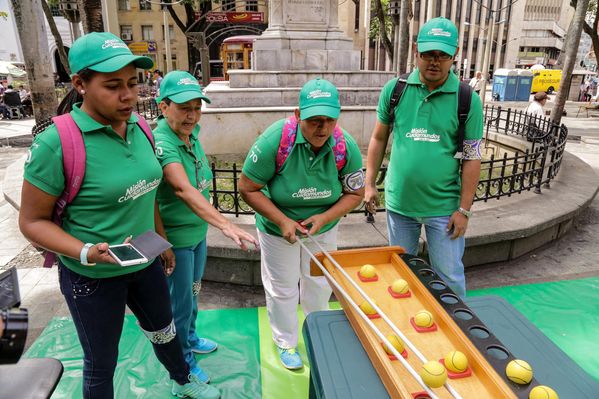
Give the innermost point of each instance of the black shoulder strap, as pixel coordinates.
(464, 99)
(400, 85)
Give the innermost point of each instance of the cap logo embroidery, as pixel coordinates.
(187, 81)
(439, 32)
(114, 43)
(318, 94)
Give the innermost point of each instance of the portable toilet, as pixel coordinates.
(499, 78)
(525, 77)
(505, 82)
(511, 85)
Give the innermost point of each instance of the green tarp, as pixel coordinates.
(234, 367)
(246, 365)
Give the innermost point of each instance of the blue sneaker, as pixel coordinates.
(200, 374)
(290, 358)
(195, 389)
(204, 345)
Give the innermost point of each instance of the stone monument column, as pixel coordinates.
(304, 35)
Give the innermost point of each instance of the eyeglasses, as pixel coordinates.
(430, 55)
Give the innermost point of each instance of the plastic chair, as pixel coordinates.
(30, 378)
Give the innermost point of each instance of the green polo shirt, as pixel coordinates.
(423, 178)
(307, 184)
(117, 196)
(183, 227)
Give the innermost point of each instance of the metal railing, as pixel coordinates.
(148, 108)
(523, 171)
(520, 171)
(532, 169)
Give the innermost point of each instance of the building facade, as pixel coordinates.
(542, 32)
(354, 23)
(141, 25)
(524, 32)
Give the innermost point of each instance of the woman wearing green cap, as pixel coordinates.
(183, 198)
(116, 200)
(302, 174)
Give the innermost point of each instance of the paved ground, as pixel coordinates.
(11, 240)
(574, 256)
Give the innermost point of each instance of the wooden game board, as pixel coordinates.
(486, 381)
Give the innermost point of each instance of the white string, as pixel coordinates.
(371, 324)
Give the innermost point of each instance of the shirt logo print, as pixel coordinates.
(138, 189)
(311, 193)
(421, 134)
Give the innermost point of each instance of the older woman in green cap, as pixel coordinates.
(116, 200)
(183, 197)
(301, 175)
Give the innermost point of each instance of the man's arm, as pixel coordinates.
(374, 158)
(470, 177)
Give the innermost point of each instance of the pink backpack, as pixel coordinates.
(73, 161)
(288, 139)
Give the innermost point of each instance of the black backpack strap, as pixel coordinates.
(398, 90)
(464, 99)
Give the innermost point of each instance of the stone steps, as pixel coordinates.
(223, 96)
(295, 79)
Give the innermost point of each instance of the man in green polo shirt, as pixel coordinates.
(301, 184)
(424, 185)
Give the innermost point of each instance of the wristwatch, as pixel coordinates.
(83, 255)
(465, 212)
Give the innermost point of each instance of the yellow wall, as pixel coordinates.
(136, 18)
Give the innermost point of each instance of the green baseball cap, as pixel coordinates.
(103, 52)
(319, 97)
(438, 34)
(180, 87)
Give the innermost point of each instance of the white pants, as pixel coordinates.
(284, 265)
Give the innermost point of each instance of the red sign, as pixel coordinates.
(235, 17)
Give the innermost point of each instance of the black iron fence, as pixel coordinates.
(148, 108)
(531, 169)
(512, 173)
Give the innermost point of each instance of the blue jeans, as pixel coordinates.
(184, 286)
(444, 253)
(98, 310)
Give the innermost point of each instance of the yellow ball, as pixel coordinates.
(400, 286)
(433, 374)
(424, 319)
(456, 361)
(542, 392)
(368, 271)
(396, 342)
(367, 308)
(519, 371)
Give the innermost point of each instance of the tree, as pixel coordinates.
(34, 43)
(592, 16)
(91, 15)
(191, 24)
(403, 49)
(571, 46)
(380, 8)
(57, 38)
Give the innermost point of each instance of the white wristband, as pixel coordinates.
(83, 255)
